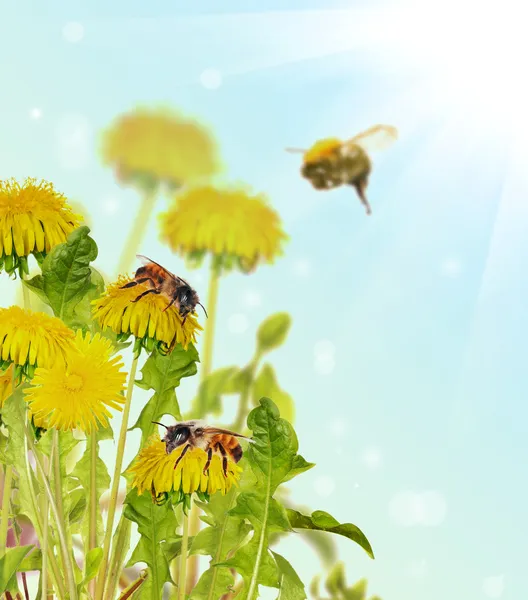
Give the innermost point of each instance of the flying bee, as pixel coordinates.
(196, 434)
(161, 281)
(331, 163)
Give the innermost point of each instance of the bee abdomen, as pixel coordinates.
(236, 453)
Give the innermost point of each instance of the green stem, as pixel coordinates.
(6, 498)
(45, 532)
(183, 557)
(115, 484)
(206, 356)
(92, 517)
(54, 508)
(117, 558)
(137, 233)
(26, 296)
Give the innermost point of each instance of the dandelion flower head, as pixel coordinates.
(146, 320)
(30, 339)
(78, 393)
(154, 471)
(238, 228)
(149, 147)
(325, 148)
(34, 217)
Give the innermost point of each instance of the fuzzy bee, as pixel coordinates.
(331, 163)
(162, 281)
(196, 434)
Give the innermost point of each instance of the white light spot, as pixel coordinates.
(493, 587)
(338, 450)
(238, 323)
(110, 205)
(324, 349)
(302, 268)
(74, 141)
(73, 32)
(324, 365)
(252, 299)
(418, 569)
(372, 458)
(356, 485)
(324, 486)
(451, 267)
(410, 508)
(211, 79)
(35, 113)
(338, 428)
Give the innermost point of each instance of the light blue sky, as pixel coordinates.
(423, 303)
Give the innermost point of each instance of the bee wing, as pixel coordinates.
(377, 137)
(146, 261)
(295, 150)
(215, 430)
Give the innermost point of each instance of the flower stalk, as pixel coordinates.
(6, 498)
(115, 483)
(183, 557)
(212, 301)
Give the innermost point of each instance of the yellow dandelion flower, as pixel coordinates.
(322, 149)
(6, 384)
(153, 471)
(34, 218)
(78, 393)
(149, 320)
(237, 228)
(149, 147)
(30, 339)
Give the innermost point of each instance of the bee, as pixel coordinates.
(161, 281)
(330, 163)
(196, 434)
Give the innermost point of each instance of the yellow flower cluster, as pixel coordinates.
(154, 471)
(34, 218)
(231, 224)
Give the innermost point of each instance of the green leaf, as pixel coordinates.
(358, 591)
(336, 581)
(265, 385)
(273, 331)
(156, 524)
(83, 310)
(32, 562)
(66, 275)
(300, 465)
(91, 567)
(224, 534)
(208, 401)
(271, 458)
(163, 374)
(9, 563)
(322, 521)
(82, 472)
(314, 588)
(36, 285)
(291, 587)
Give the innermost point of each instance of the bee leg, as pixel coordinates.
(182, 455)
(136, 282)
(154, 291)
(209, 457)
(169, 305)
(222, 451)
(361, 187)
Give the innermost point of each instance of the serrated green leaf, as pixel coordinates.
(82, 472)
(156, 524)
(271, 458)
(266, 385)
(224, 534)
(273, 331)
(291, 587)
(163, 374)
(208, 400)
(322, 521)
(9, 563)
(66, 274)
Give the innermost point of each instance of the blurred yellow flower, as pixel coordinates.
(6, 384)
(147, 147)
(326, 148)
(30, 339)
(231, 224)
(77, 394)
(154, 471)
(34, 218)
(149, 320)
